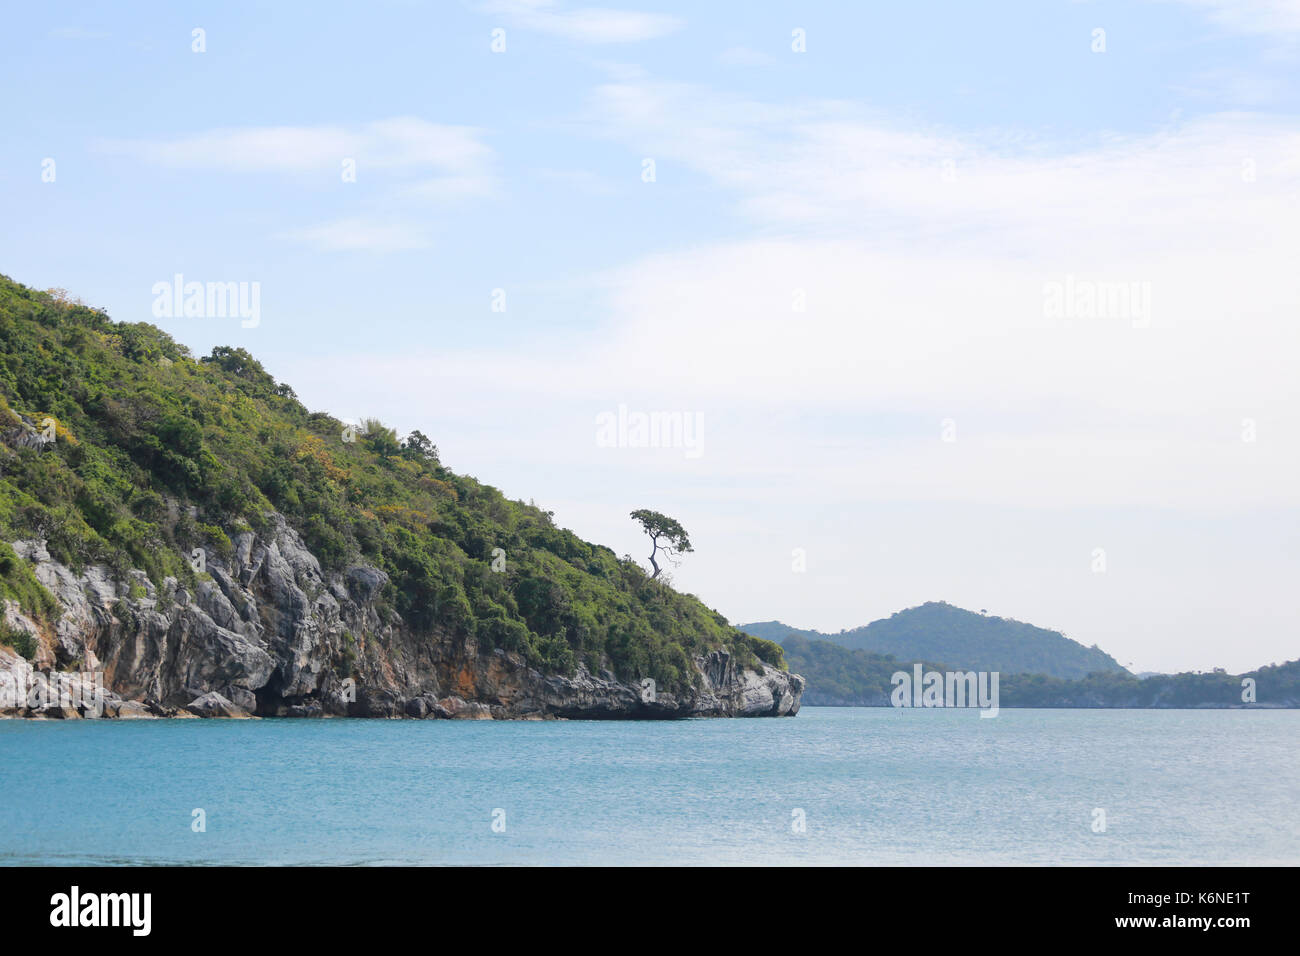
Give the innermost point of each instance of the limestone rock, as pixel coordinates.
(266, 631)
(214, 705)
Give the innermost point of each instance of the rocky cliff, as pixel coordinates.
(266, 632)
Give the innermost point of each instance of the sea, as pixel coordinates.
(833, 786)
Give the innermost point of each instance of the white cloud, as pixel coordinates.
(1251, 16)
(833, 166)
(924, 297)
(441, 161)
(586, 24)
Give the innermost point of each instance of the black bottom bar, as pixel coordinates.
(930, 905)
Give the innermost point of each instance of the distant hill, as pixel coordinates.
(838, 676)
(938, 631)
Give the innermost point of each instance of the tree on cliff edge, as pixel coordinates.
(666, 536)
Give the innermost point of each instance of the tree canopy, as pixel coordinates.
(666, 536)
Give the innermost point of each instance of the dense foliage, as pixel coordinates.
(1277, 685)
(156, 452)
(841, 676)
(938, 631)
(838, 676)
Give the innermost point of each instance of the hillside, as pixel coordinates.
(937, 631)
(841, 676)
(188, 525)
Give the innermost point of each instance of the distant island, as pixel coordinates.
(1038, 667)
(938, 631)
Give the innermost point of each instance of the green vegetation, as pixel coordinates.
(1277, 685)
(841, 676)
(937, 631)
(157, 453)
(18, 583)
(20, 641)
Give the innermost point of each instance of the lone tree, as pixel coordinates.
(666, 535)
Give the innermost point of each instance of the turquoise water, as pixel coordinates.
(877, 786)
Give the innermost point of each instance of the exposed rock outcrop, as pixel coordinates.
(266, 632)
(214, 705)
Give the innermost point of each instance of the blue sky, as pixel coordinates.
(916, 176)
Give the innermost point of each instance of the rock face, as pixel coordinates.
(267, 633)
(214, 705)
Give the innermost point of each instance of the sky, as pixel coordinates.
(987, 303)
